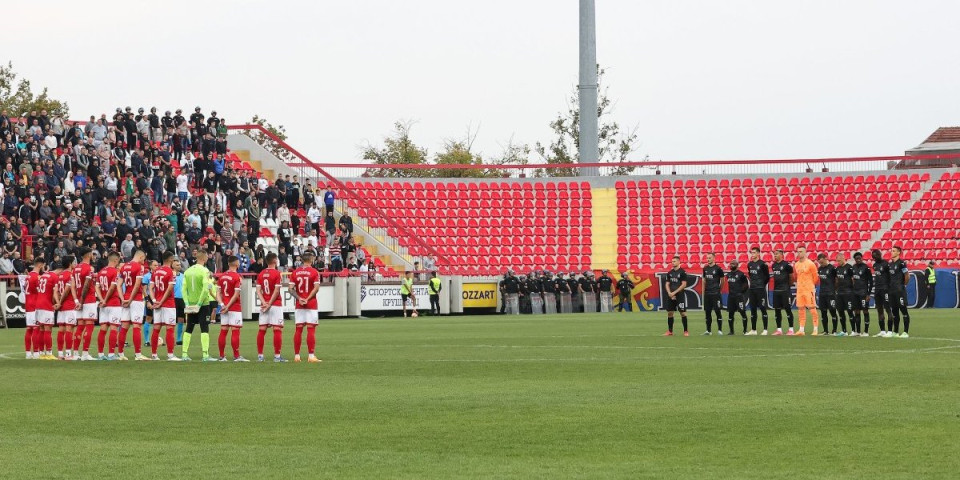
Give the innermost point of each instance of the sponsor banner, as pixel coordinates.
(387, 297)
(479, 295)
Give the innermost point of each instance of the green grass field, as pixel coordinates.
(570, 396)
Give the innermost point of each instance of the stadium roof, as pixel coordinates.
(943, 140)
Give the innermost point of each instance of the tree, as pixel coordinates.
(615, 146)
(398, 149)
(17, 98)
(268, 143)
(513, 153)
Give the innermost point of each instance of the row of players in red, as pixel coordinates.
(74, 296)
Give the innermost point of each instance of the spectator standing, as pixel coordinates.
(329, 199)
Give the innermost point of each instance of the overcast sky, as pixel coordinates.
(700, 79)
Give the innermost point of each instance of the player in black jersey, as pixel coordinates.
(827, 296)
(624, 288)
(759, 275)
(899, 277)
(737, 286)
(782, 273)
(881, 288)
(712, 285)
(676, 298)
(844, 294)
(862, 281)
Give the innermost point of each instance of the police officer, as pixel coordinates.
(563, 294)
(576, 294)
(534, 292)
(549, 288)
(624, 288)
(511, 285)
(605, 289)
(931, 284)
(434, 286)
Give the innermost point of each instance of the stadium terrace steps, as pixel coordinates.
(930, 228)
(898, 215)
(604, 228)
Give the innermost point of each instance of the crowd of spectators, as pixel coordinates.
(140, 180)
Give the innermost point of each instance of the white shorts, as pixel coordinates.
(134, 313)
(274, 316)
(165, 316)
(305, 316)
(67, 317)
(44, 317)
(231, 319)
(110, 315)
(32, 319)
(88, 312)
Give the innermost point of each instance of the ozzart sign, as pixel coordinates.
(479, 295)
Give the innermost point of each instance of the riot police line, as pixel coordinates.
(543, 292)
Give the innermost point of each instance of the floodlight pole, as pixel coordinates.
(589, 141)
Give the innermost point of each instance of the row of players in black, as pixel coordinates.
(845, 292)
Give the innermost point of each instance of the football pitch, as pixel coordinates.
(565, 396)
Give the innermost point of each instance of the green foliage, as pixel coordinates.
(397, 149)
(268, 143)
(615, 144)
(17, 97)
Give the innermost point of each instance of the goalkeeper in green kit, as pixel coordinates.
(198, 292)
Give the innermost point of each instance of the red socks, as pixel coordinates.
(171, 340)
(311, 338)
(47, 340)
(222, 341)
(122, 338)
(137, 338)
(260, 338)
(60, 336)
(235, 342)
(113, 340)
(37, 339)
(28, 339)
(297, 339)
(87, 336)
(154, 339)
(277, 340)
(101, 338)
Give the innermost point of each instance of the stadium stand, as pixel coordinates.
(930, 230)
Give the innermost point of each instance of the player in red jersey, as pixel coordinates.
(46, 299)
(66, 315)
(132, 307)
(306, 284)
(85, 299)
(32, 338)
(163, 305)
(231, 315)
(108, 292)
(271, 307)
